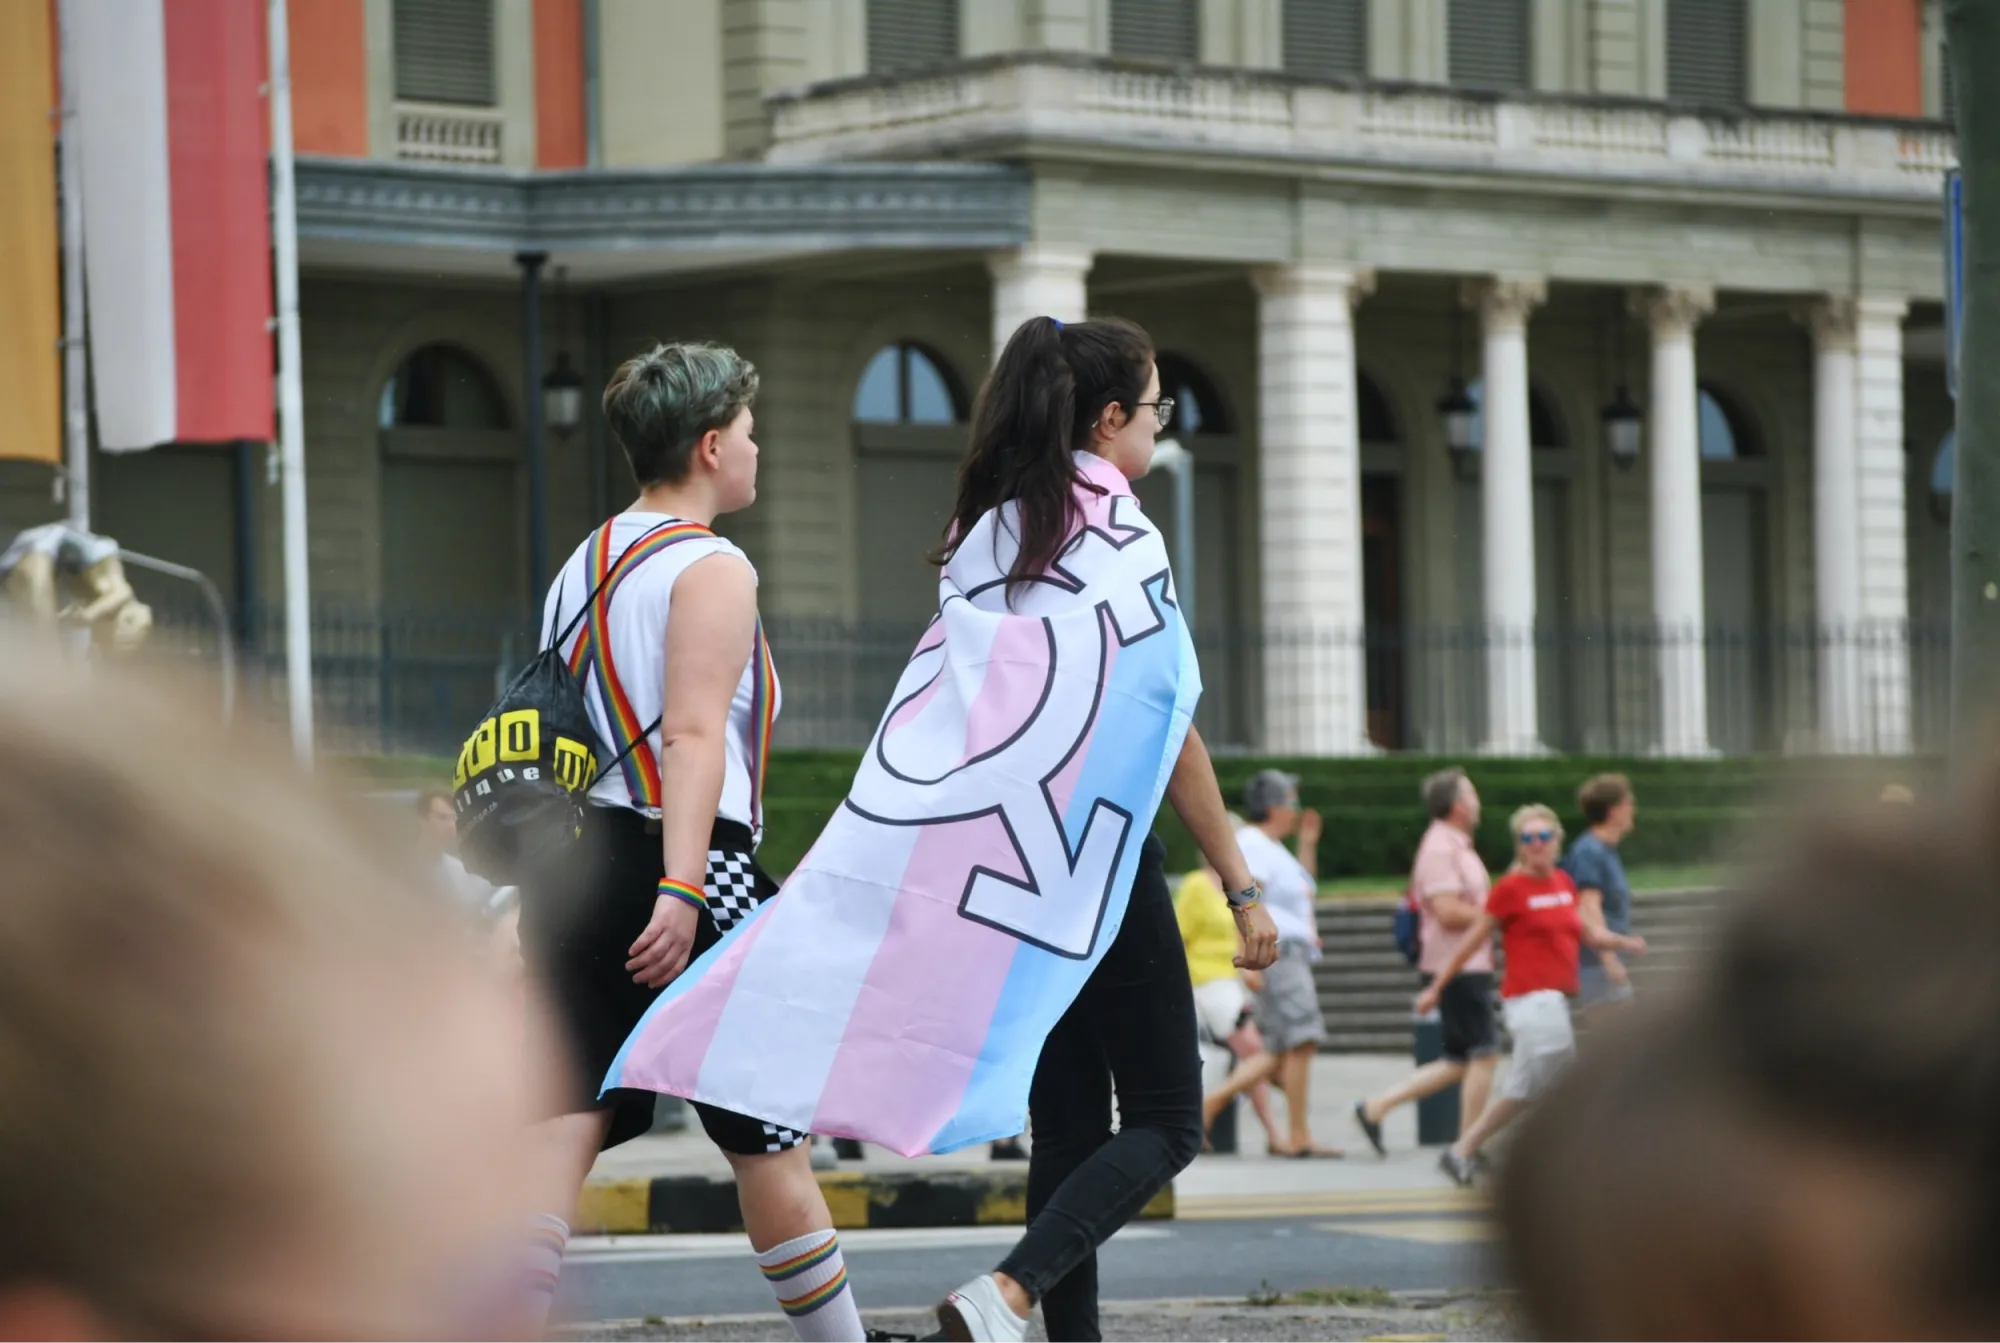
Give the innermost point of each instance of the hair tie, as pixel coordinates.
(1058, 322)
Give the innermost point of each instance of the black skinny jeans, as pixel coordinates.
(1132, 1028)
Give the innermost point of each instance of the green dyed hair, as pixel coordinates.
(659, 404)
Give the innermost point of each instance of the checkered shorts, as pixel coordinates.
(735, 887)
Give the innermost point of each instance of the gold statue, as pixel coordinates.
(62, 576)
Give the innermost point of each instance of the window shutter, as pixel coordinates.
(1327, 39)
(1706, 44)
(1156, 30)
(911, 34)
(1487, 43)
(444, 51)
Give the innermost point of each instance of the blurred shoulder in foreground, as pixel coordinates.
(1806, 1143)
(254, 1079)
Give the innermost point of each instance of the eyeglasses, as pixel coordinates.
(1163, 409)
(1537, 836)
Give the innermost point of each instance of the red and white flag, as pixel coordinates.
(177, 228)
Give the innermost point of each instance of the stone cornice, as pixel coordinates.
(864, 205)
(1042, 106)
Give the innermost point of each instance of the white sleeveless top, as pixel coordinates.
(636, 618)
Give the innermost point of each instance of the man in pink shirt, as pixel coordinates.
(1449, 883)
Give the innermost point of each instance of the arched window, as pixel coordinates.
(1377, 421)
(441, 387)
(1544, 429)
(1198, 407)
(1723, 432)
(906, 384)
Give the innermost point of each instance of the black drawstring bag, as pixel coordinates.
(525, 771)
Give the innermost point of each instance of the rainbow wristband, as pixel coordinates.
(680, 890)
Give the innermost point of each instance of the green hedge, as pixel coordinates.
(1690, 811)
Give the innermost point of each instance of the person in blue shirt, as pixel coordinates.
(1604, 895)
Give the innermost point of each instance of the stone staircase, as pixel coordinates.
(1366, 988)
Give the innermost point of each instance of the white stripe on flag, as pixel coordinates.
(788, 1013)
(127, 220)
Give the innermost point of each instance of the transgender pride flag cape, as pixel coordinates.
(898, 989)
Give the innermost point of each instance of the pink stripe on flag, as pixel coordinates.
(1017, 670)
(907, 712)
(920, 1022)
(670, 1048)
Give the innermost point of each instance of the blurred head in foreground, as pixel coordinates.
(1807, 1145)
(253, 1083)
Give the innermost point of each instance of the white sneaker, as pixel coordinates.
(977, 1313)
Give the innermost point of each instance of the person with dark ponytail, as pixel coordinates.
(1062, 404)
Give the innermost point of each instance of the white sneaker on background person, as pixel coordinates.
(977, 1313)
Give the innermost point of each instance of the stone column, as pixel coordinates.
(1881, 537)
(1836, 525)
(1036, 280)
(1674, 449)
(1507, 511)
(1309, 491)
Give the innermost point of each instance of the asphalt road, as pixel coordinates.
(1418, 1247)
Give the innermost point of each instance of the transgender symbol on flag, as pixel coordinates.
(925, 779)
(898, 989)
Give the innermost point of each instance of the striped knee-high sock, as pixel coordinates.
(541, 1266)
(809, 1279)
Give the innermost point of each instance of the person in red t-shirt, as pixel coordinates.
(1535, 908)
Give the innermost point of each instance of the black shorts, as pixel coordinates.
(1465, 1011)
(577, 934)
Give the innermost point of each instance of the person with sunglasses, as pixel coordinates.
(1534, 908)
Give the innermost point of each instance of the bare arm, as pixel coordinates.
(1482, 929)
(1454, 910)
(1590, 910)
(1197, 799)
(708, 644)
(1306, 846)
(1608, 944)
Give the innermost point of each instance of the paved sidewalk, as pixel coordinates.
(1390, 1316)
(1250, 1184)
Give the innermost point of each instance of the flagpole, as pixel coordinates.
(76, 413)
(291, 399)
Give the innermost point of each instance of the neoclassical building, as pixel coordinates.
(1558, 374)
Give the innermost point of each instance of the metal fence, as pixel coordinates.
(415, 682)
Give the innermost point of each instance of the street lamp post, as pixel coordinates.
(531, 264)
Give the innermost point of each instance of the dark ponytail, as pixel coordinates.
(1037, 406)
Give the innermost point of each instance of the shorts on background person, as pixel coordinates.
(1544, 1043)
(1221, 1006)
(1288, 1009)
(1465, 1018)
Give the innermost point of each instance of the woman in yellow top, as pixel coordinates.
(1222, 998)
